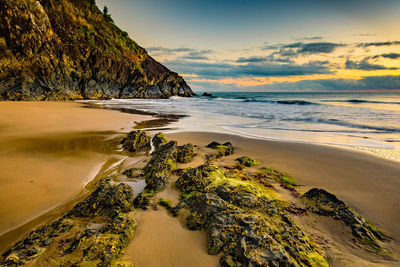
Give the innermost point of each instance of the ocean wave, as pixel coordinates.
(283, 102)
(379, 129)
(362, 101)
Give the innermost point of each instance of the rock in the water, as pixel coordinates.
(207, 94)
(185, 153)
(159, 140)
(246, 161)
(242, 222)
(161, 166)
(324, 203)
(135, 141)
(105, 201)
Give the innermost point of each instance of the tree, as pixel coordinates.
(105, 10)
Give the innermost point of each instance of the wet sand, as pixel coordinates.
(49, 151)
(369, 184)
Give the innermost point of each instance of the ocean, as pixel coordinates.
(364, 121)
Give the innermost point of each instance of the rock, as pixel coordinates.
(324, 203)
(185, 153)
(195, 179)
(225, 149)
(142, 201)
(207, 94)
(70, 240)
(159, 140)
(68, 49)
(246, 161)
(161, 166)
(107, 201)
(133, 172)
(284, 179)
(242, 222)
(136, 141)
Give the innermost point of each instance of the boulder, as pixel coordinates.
(185, 153)
(247, 162)
(136, 141)
(324, 203)
(161, 166)
(159, 140)
(225, 149)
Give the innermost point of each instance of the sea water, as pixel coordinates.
(367, 121)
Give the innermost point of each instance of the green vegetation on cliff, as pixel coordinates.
(69, 49)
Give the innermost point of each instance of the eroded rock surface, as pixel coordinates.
(185, 153)
(93, 233)
(243, 220)
(324, 203)
(224, 149)
(136, 141)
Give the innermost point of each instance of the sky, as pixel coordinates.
(269, 45)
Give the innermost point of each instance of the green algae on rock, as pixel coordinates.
(69, 49)
(324, 203)
(244, 220)
(159, 140)
(247, 162)
(224, 149)
(161, 165)
(278, 176)
(93, 233)
(185, 153)
(136, 141)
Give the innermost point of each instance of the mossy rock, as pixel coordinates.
(159, 140)
(106, 200)
(324, 203)
(243, 220)
(143, 200)
(224, 149)
(136, 141)
(185, 153)
(278, 176)
(247, 161)
(133, 172)
(160, 166)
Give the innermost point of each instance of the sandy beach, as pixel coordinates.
(49, 151)
(41, 141)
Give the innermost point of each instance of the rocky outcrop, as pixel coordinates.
(243, 221)
(159, 140)
(69, 49)
(185, 153)
(324, 203)
(224, 149)
(161, 166)
(93, 233)
(247, 162)
(136, 141)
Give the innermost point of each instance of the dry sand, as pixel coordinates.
(49, 151)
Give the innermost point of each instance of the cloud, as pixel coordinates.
(314, 48)
(251, 59)
(198, 54)
(372, 83)
(387, 43)
(365, 65)
(389, 55)
(251, 69)
(314, 38)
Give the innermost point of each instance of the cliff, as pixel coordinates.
(69, 49)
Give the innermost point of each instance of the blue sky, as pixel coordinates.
(269, 45)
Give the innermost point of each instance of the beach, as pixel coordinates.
(49, 152)
(52, 150)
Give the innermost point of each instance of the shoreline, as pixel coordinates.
(312, 165)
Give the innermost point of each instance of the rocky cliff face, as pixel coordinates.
(69, 49)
